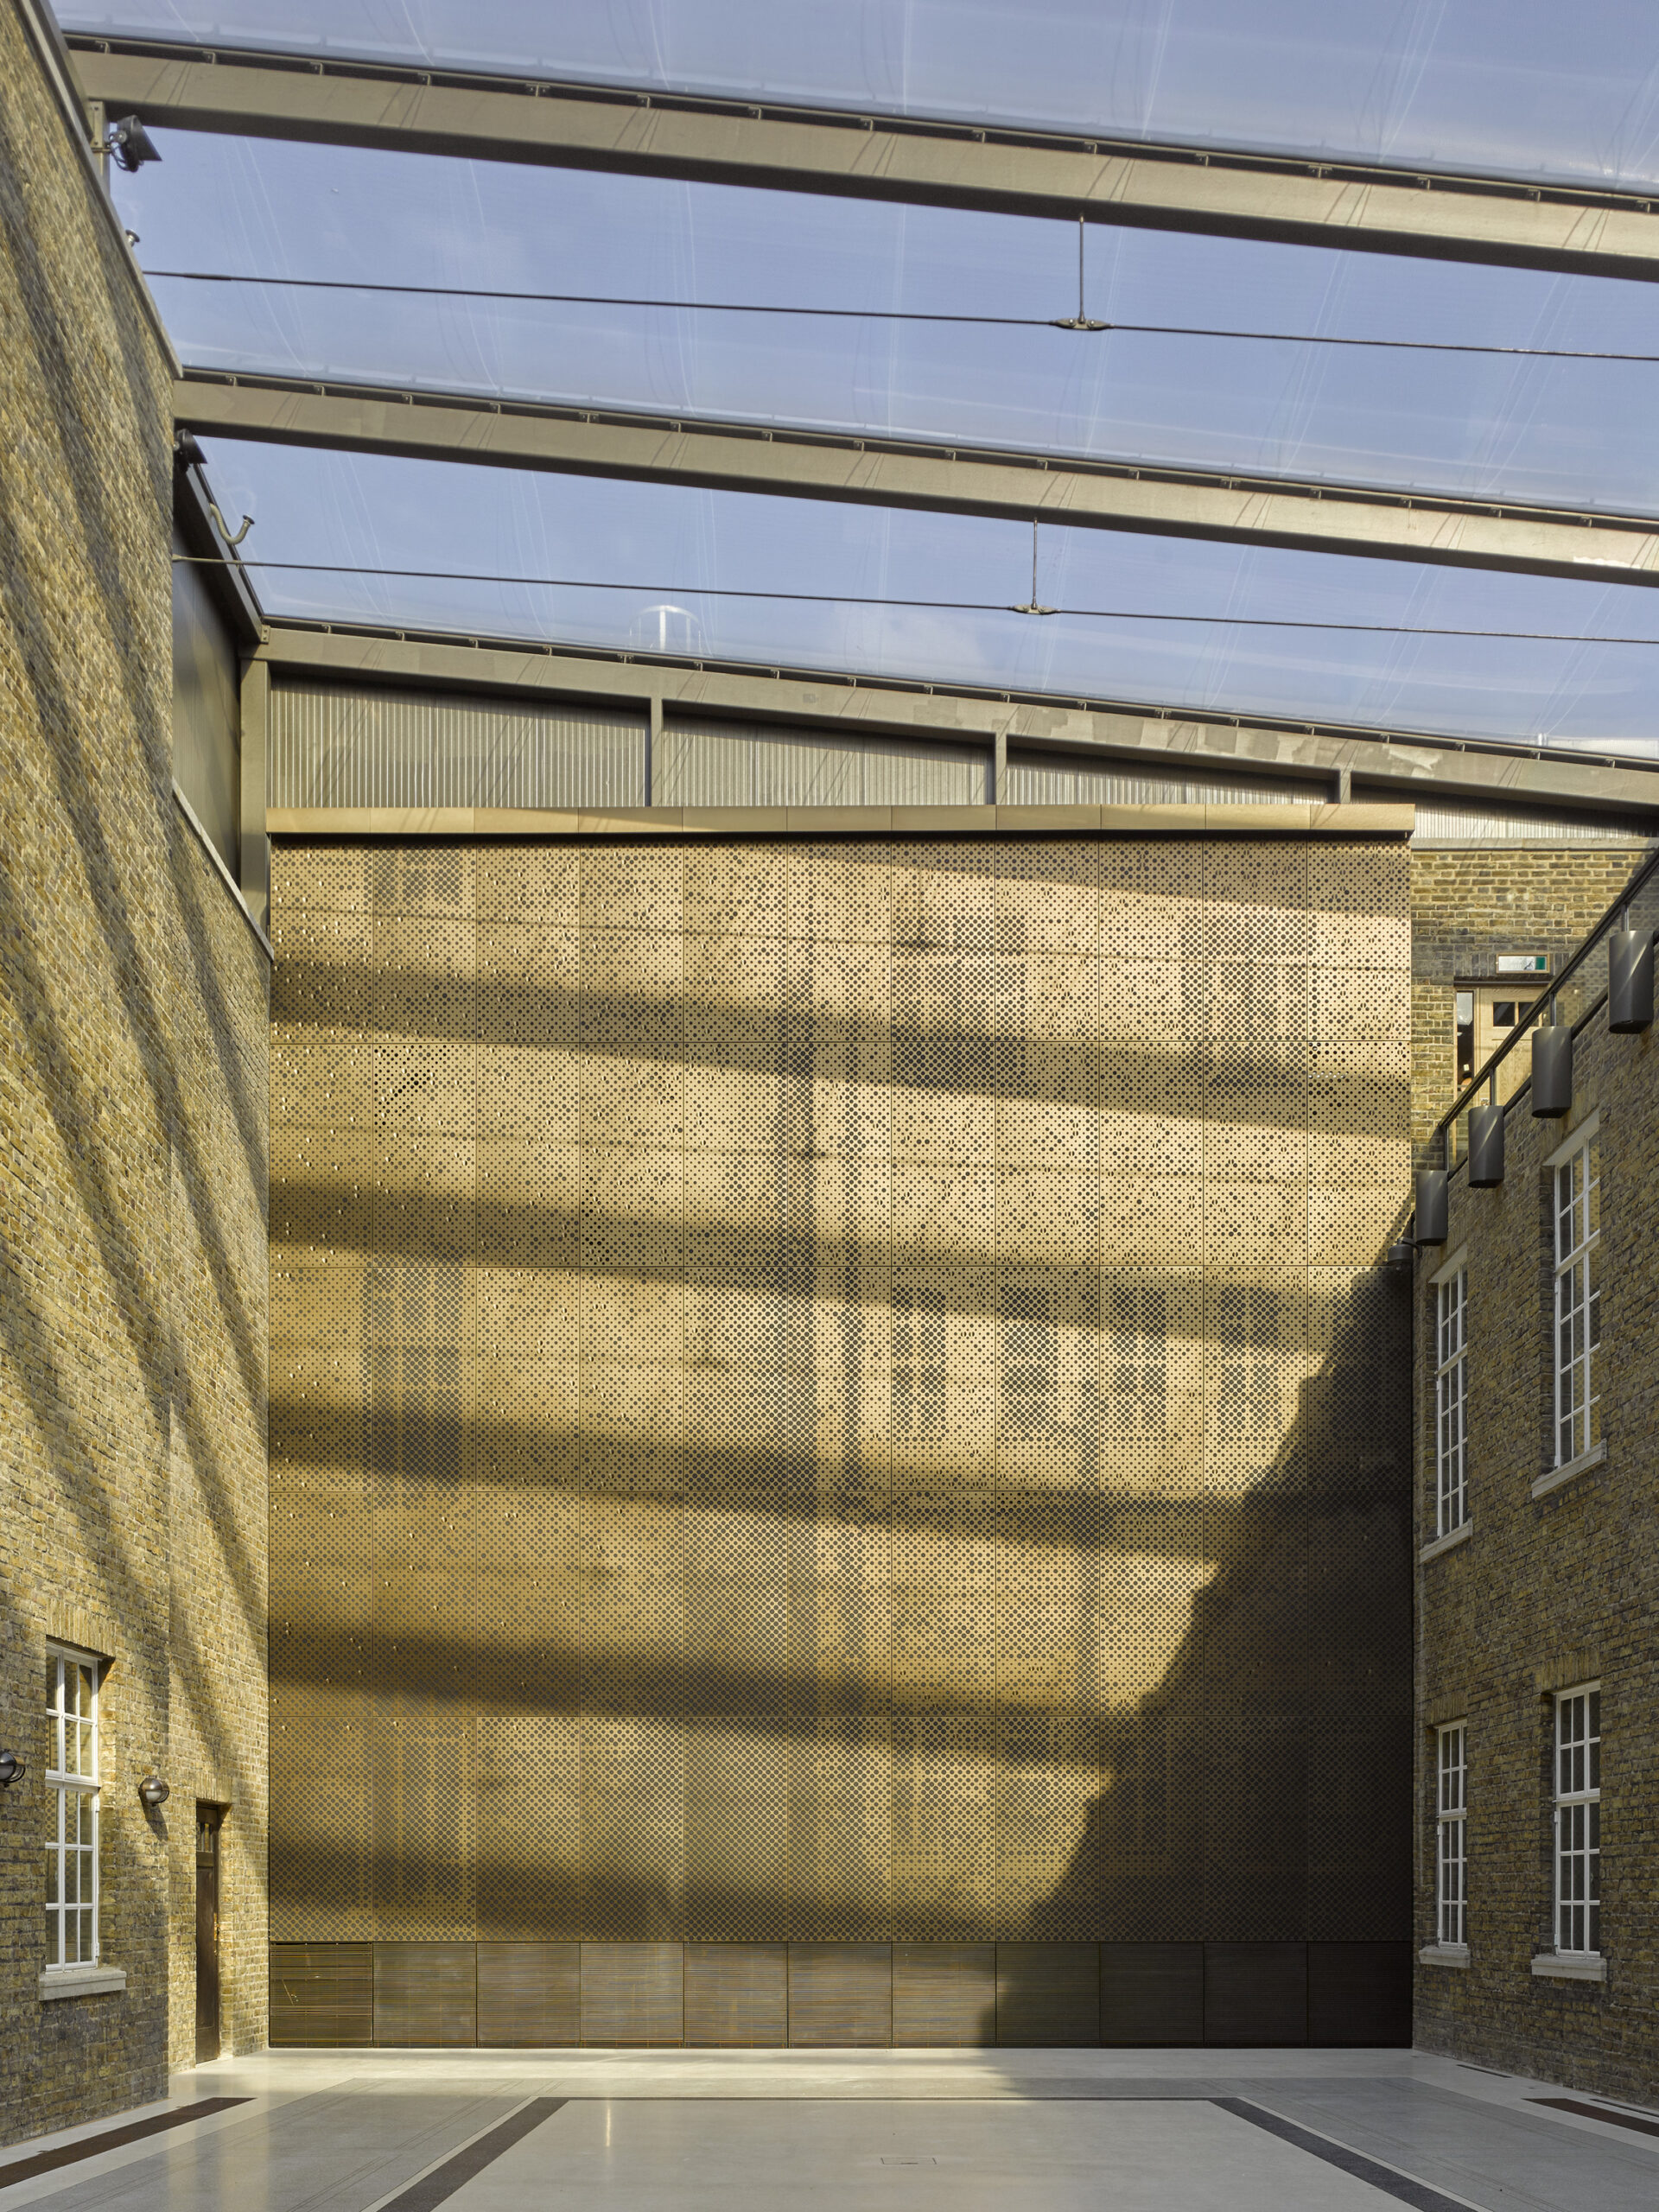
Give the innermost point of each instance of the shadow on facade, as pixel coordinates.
(1255, 1788)
(828, 1574)
(132, 1318)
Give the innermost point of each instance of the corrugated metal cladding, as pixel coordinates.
(750, 763)
(1061, 779)
(1466, 824)
(333, 746)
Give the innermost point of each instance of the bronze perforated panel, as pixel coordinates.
(1151, 1993)
(841, 1993)
(529, 1993)
(632, 1992)
(321, 1993)
(425, 1993)
(838, 1392)
(737, 1994)
(944, 1994)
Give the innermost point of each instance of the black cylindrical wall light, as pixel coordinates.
(1486, 1146)
(1430, 1206)
(1630, 980)
(1552, 1071)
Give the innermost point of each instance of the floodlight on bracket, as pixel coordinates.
(1552, 1066)
(128, 142)
(1486, 1141)
(1630, 978)
(1430, 1224)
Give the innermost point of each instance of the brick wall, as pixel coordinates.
(1470, 903)
(1545, 1592)
(133, 1004)
(218, 1720)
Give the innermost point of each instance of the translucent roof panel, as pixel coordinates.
(1529, 88)
(646, 561)
(1569, 433)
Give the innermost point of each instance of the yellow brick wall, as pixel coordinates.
(1469, 905)
(133, 1103)
(1546, 1591)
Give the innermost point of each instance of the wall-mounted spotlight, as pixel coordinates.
(1552, 1068)
(11, 1769)
(1486, 1142)
(154, 1792)
(130, 143)
(1630, 979)
(1432, 1209)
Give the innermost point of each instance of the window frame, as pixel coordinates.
(1452, 1833)
(1575, 1295)
(1451, 1397)
(82, 1784)
(1575, 1780)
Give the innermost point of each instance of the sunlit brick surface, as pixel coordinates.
(839, 1392)
(133, 1003)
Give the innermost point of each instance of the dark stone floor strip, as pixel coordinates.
(1397, 2185)
(111, 2138)
(1598, 2112)
(444, 2180)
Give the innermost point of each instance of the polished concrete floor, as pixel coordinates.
(477, 2130)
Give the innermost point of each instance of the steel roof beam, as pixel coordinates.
(1319, 762)
(1225, 192)
(889, 473)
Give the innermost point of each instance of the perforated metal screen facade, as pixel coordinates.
(839, 1392)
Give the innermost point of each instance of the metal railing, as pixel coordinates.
(1571, 996)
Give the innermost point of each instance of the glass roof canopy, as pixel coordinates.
(1573, 434)
(1524, 88)
(1469, 85)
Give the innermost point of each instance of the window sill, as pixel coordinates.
(1556, 1476)
(80, 1981)
(1448, 1542)
(1444, 1954)
(1567, 1965)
